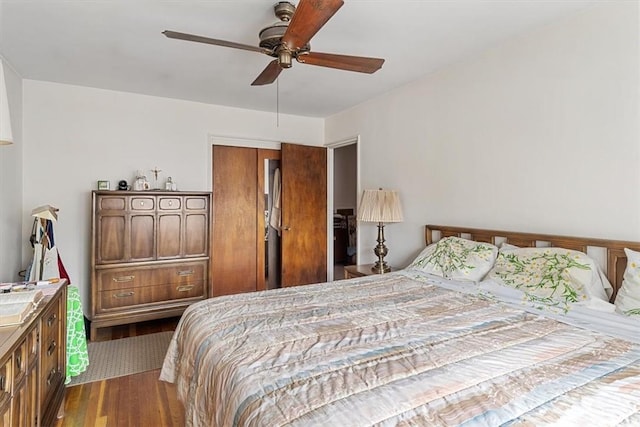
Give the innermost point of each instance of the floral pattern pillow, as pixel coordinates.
(628, 298)
(551, 276)
(456, 258)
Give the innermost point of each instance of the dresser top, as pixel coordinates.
(149, 193)
(9, 335)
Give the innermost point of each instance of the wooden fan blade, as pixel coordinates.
(269, 74)
(309, 17)
(361, 64)
(207, 40)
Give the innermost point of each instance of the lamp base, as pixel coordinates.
(380, 250)
(380, 268)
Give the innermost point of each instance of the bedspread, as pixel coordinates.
(393, 350)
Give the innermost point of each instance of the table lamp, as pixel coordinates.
(380, 206)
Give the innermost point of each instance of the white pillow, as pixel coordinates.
(504, 246)
(551, 276)
(456, 258)
(628, 298)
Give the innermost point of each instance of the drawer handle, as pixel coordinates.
(185, 288)
(185, 272)
(123, 279)
(51, 375)
(52, 319)
(124, 294)
(52, 348)
(3, 383)
(19, 362)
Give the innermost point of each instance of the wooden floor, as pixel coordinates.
(136, 400)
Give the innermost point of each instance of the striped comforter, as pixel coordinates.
(394, 351)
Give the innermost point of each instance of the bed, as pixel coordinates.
(464, 343)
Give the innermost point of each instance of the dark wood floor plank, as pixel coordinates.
(134, 400)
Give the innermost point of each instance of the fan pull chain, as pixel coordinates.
(278, 102)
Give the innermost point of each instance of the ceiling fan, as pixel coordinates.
(289, 39)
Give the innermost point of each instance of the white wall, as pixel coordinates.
(11, 184)
(539, 134)
(74, 136)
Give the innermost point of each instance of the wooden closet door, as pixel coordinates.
(304, 214)
(234, 225)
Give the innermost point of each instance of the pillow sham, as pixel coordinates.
(551, 276)
(628, 298)
(504, 246)
(456, 258)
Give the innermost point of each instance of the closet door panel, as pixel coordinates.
(304, 214)
(234, 225)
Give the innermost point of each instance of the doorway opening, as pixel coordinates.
(345, 201)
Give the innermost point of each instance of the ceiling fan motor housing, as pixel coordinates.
(284, 10)
(271, 36)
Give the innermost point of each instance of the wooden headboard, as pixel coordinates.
(614, 262)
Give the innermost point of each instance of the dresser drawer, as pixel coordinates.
(143, 203)
(129, 298)
(6, 379)
(128, 278)
(112, 203)
(183, 273)
(170, 203)
(20, 361)
(33, 344)
(196, 203)
(124, 278)
(51, 375)
(51, 321)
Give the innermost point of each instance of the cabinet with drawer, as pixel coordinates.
(150, 254)
(29, 394)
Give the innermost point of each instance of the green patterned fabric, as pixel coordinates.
(456, 258)
(77, 355)
(552, 277)
(628, 299)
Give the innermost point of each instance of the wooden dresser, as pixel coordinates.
(33, 365)
(149, 255)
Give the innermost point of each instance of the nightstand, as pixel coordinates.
(352, 271)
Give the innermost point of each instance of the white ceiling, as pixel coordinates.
(118, 45)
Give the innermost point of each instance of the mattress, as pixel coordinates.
(399, 349)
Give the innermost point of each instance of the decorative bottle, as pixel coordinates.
(141, 181)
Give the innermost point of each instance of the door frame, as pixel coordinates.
(330, 181)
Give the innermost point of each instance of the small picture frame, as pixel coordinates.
(104, 185)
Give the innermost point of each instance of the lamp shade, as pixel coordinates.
(6, 137)
(380, 206)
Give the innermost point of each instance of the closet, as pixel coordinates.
(247, 252)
